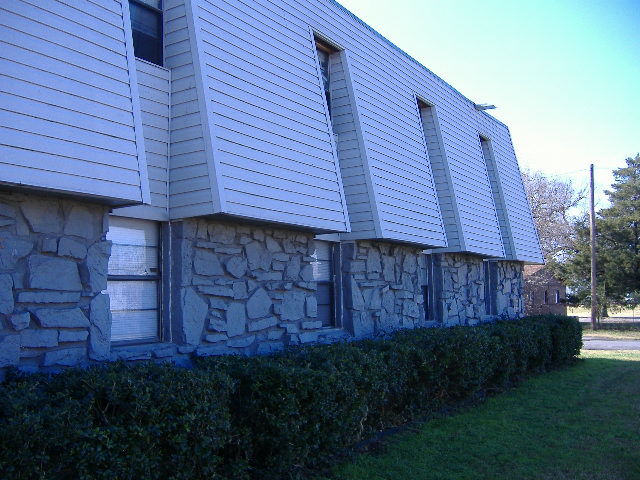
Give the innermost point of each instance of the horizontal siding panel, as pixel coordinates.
(252, 159)
(298, 216)
(190, 202)
(57, 164)
(69, 117)
(314, 133)
(61, 147)
(238, 132)
(77, 58)
(37, 67)
(276, 95)
(57, 29)
(55, 90)
(68, 183)
(280, 194)
(102, 17)
(236, 175)
(66, 112)
(153, 88)
(66, 132)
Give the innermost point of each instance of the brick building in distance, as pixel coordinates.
(543, 292)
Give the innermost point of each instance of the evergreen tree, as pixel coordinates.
(617, 245)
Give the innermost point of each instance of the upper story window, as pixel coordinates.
(146, 23)
(324, 52)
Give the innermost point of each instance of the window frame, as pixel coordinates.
(157, 277)
(322, 45)
(428, 289)
(489, 288)
(331, 283)
(159, 15)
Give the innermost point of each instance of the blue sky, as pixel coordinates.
(563, 74)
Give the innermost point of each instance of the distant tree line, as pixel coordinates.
(565, 236)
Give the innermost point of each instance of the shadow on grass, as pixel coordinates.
(582, 422)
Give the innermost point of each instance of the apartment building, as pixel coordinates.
(190, 177)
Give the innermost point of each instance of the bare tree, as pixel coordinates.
(551, 201)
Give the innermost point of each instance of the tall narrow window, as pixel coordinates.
(134, 279)
(323, 275)
(546, 297)
(324, 52)
(489, 288)
(146, 24)
(557, 296)
(428, 291)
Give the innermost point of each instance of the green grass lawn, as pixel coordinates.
(586, 312)
(620, 330)
(582, 422)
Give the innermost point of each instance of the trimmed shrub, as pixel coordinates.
(261, 417)
(120, 421)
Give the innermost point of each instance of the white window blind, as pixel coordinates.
(134, 276)
(322, 275)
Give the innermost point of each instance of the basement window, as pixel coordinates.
(323, 275)
(133, 281)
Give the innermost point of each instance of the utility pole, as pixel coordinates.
(594, 298)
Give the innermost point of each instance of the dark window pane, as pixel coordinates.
(146, 25)
(325, 305)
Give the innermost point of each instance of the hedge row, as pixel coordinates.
(260, 417)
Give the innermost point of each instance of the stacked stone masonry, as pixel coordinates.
(246, 289)
(383, 287)
(468, 292)
(53, 268)
(233, 288)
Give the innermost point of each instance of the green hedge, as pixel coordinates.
(261, 417)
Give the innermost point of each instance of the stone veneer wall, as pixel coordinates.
(510, 300)
(242, 288)
(382, 285)
(460, 289)
(53, 266)
(234, 287)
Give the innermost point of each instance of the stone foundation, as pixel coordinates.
(510, 300)
(459, 291)
(229, 288)
(382, 285)
(53, 266)
(243, 289)
(469, 290)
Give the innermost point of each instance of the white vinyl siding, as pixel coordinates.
(271, 149)
(153, 88)
(356, 178)
(517, 213)
(385, 82)
(496, 188)
(68, 109)
(251, 137)
(442, 179)
(190, 181)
